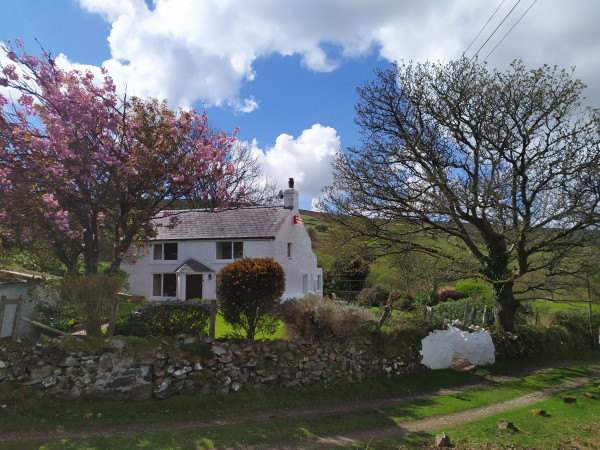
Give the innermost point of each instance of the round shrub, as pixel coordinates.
(168, 318)
(474, 287)
(249, 291)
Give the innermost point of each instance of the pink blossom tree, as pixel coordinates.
(81, 163)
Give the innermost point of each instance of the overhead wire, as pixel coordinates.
(495, 29)
(483, 27)
(511, 28)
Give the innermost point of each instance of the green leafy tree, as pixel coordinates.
(347, 274)
(500, 165)
(249, 291)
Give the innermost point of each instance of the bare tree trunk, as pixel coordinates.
(506, 305)
(113, 317)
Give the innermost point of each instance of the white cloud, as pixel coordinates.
(188, 51)
(306, 159)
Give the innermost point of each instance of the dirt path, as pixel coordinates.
(401, 429)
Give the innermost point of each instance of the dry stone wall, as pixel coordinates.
(120, 369)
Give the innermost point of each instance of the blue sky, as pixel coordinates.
(286, 71)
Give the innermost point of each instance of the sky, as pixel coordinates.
(286, 71)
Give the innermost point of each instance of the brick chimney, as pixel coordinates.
(291, 198)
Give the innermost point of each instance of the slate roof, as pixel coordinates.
(242, 223)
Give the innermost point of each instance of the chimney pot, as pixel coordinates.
(291, 183)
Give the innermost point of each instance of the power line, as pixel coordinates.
(482, 28)
(496, 29)
(511, 28)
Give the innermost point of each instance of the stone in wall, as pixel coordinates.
(227, 366)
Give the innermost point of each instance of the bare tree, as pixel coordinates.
(246, 184)
(502, 166)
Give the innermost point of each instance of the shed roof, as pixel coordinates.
(241, 223)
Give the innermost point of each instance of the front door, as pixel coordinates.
(193, 286)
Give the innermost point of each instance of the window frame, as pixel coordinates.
(155, 277)
(159, 252)
(232, 251)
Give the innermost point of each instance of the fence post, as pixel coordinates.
(213, 318)
(472, 315)
(483, 318)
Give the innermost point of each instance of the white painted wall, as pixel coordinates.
(302, 265)
(301, 272)
(141, 273)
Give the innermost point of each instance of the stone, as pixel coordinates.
(442, 441)
(182, 372)
(589, 395)
(88, 416)
(217, 350)
(569, 399)
(118, 344)
(50, 381)
(38, 373)
(197, 366)
(69, 361)
(538, 412)
(462, 365)
(2, 364)
(504, 424)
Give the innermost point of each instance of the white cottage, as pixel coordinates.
(187, 253)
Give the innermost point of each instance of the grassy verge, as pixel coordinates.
(181, 408)
(575, 425)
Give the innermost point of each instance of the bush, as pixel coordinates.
(426, 298)
(370, 296)
(474, 287)
(529, 341)
(167, 318)
(451, 295)
(575, 321)
(249, 291)
(80, 300)
(381, 298)
(456, 310)
(322, 228)
(347, 274)
(402, 338)
(313, 317)
(403, 302)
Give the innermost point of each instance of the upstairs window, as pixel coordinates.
(165, 252)
(230, 250)
(289, 249)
